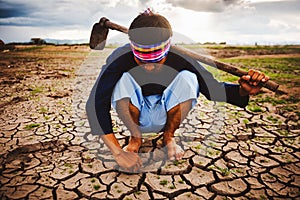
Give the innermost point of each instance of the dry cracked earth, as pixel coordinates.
(47, 151)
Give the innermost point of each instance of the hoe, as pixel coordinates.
(99, 35)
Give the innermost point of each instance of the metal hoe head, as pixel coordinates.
(99, 35)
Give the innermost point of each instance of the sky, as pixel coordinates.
(232, 21)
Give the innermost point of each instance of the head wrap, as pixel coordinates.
(151, 53)
(150, 44)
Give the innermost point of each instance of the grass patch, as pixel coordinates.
(96, 187)
(31, 126)
(272, 119)
(36, 90)
(224, 171)
(43, 110)
(280, 69)
(254, 108)
(178, 162)
(271, 100)
(163, 182)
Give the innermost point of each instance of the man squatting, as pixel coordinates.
(153, 88)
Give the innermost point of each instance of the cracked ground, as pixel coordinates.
(47, 151)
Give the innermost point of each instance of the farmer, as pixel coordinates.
(153, 88)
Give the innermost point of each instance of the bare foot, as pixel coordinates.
(175, 152)
(133, 145)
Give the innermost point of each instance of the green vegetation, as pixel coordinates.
(245, 121)
(254, 108)
(282, 69)
(263, 197)
(282, 49)
(273, 119)
(96, 187)
(172, 187)
(279, 69)
(163, 182)
(36, 90)
(43, 110)
(273, 101)
(178, 162)
(224, 171)
(69, 165)
(31, 126)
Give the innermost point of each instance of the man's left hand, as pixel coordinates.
(250, 83)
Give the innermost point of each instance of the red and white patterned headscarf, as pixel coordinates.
(150, 53)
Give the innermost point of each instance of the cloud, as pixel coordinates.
(260, 18)
(57, 16)
(61, 12)
(205, 5)
(201, 20)
(269, 22)
(13, 9)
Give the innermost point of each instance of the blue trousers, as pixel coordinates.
(153, 109)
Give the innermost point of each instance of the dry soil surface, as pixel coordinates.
(47, 151)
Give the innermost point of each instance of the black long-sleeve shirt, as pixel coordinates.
(122, 60)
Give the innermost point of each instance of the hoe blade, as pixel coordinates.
(98, 37)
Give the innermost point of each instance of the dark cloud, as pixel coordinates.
(204, 5)
(10, 9)
(60, 13)
(50, 13)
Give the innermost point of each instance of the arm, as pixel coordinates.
(98, 109)
(98, 105)
(220, 91)
(209, 86)
(236, 94)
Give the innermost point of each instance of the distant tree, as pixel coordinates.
(37, 41)
(210, 43)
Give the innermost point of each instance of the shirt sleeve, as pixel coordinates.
(214, 90)
(98, 105)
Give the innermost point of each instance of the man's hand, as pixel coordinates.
(128, 161)
(250, 83)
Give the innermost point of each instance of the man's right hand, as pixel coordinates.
(128, 161)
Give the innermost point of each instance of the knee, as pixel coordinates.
(188, 74)
(121, 104)
(126, 104)
(188, 77)
(187, 80)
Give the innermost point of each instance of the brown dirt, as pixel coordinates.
(245, 153)
(27, 71)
